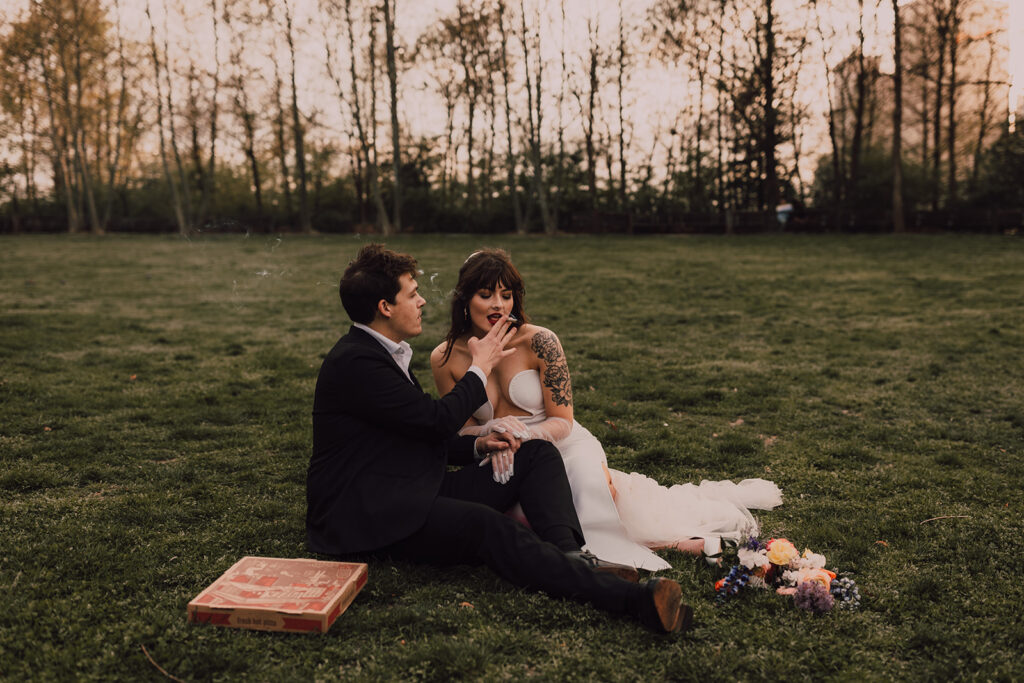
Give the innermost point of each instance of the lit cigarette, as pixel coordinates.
(512, 318)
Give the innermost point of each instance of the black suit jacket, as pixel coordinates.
(380, 447)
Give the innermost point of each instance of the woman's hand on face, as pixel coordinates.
(489, 350)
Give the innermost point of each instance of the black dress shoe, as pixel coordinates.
(623, 571)
(662, 610)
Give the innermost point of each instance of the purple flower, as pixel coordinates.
(813, 597)
(753, 543)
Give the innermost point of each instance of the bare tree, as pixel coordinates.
(954, 21)
(827, 40)
(242, 105)
(125, 126)
(396, 146)
(298, 129)
(898, 217)
(587, 103)
(620, 77)
(534, 76)
(510, 154)
(164, 126)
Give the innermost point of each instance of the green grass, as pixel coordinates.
(155, 427)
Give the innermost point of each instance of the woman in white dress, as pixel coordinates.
(623, 516)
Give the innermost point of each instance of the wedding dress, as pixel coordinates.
(643, 514)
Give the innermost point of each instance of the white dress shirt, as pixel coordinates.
(402, 352)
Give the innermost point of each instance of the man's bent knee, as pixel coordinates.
(539, 450)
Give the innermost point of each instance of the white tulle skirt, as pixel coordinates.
(645, 514)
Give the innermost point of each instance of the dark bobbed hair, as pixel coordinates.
(484, 269)
(372, 276)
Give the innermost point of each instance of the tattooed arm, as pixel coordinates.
(556, 384)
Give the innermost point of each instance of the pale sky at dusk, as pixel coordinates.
(658, 91)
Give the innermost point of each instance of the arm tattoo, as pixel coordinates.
(556, 373)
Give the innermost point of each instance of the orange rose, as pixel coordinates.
(820, 576)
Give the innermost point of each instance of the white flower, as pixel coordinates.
(752, 559)
(791, 577)
(809, 560)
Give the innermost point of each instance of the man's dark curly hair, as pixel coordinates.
(373, 276)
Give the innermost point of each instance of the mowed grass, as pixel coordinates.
(155, 427)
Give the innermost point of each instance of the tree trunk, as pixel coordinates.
(535, 111)
(898, 218)
(282, 145)
(120, 122)
(720, 175)
(983, 120)
(943, 36)
(298, 130)
(510, 161)
(620, 76)
(179, 209)
(860, 84)
(771, 184)
(382, 213)
(396, 148)
(954, 31)
(76, 118)
(588, 116)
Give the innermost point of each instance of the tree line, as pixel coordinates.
(499, 115)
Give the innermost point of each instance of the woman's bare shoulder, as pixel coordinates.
(535, 334)
(542, 342)
(437, 356)
(528, 331)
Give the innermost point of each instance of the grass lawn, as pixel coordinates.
(155, 427)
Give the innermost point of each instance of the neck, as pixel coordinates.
(381, 327)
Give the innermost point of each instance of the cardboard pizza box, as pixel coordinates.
(279, 594)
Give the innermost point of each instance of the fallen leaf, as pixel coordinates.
(132, 378)
(466, 604)
(47, 429)
(737, 423)
(714, 435)
(611, 424)
(882, 543)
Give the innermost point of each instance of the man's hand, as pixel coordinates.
(497, 441)
(500, 450)
(490, 350)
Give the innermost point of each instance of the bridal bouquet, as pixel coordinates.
(777, 564)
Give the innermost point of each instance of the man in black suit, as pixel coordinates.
(379, 482)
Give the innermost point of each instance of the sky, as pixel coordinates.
(655, 89)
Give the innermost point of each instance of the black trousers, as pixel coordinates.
(467, 525)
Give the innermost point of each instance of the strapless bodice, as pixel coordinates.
(525, 392)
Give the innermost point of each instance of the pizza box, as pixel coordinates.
(279, 594)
